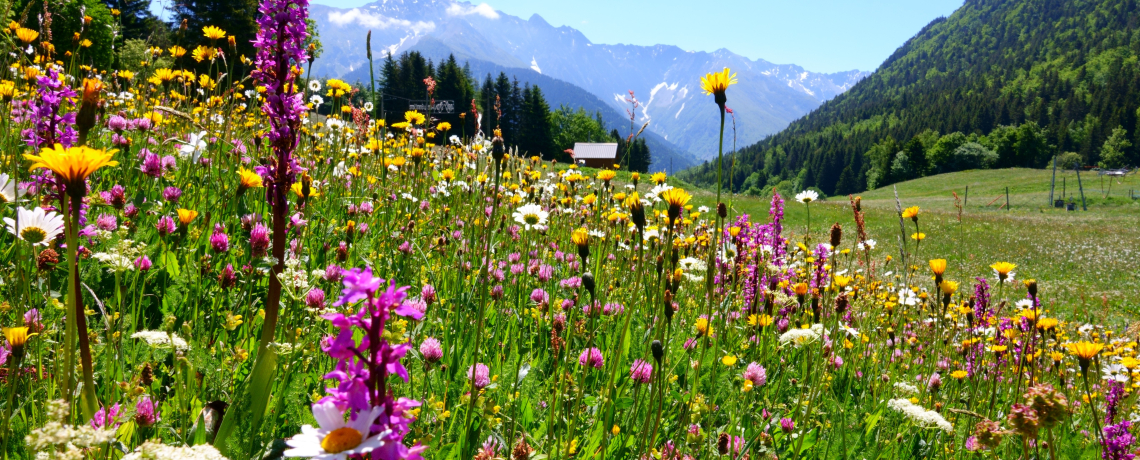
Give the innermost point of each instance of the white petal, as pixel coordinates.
(328, 416)
(371, 444)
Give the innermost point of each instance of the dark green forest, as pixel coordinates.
(521, 112)
(1026, 80)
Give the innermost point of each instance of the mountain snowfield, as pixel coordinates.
(664, 78)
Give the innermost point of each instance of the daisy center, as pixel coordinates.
(531, 219)
(341, 439)
(33, 234)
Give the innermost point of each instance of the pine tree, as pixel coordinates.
(452, 85)
(536, 138)
(237, 17)
(389, 84)
(639, 156)
(135, 18)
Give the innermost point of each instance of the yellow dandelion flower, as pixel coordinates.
(675, 197)
(185, 216)
(248, 179)
(911, 213)
(72, 165)
(213, 33)
(938, 266)
(1085, 350)
(580, 237)
(27, 35)
(716, 83)
(413, 117)
(17, 336)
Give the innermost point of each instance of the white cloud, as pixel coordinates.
(481, 9)
(378, 21)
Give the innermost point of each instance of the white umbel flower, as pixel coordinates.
(801, 337)
(159, 339)
(531, 216)
(334, 438)
(807, 196)
(157, 450)
(36, 226)
(906, 389)
(921, 417)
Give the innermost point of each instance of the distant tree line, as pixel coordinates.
(519, 111)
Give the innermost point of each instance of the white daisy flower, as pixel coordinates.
(807, 196)
(314, 85)
(37, 226)
(8, 190)
(692, 264)
(368, 107)
(334, 438)
(907, 297)
(531, 216)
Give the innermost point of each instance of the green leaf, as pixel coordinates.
(125, 432)
(809, 440)
(254, 400)
(169, 261)
(198, 433)
(625, 343)
(872, 421)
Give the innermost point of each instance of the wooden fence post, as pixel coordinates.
(1007, 198)
(1084, 205)
(966, 201)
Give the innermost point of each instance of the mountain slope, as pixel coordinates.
(664, 78)
(666, 156)
(1069, 66)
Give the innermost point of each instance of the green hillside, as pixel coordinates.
(996, 84)
(1086, 260)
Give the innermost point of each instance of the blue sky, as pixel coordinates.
(820, 35)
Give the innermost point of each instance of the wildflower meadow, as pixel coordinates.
(198, 264)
